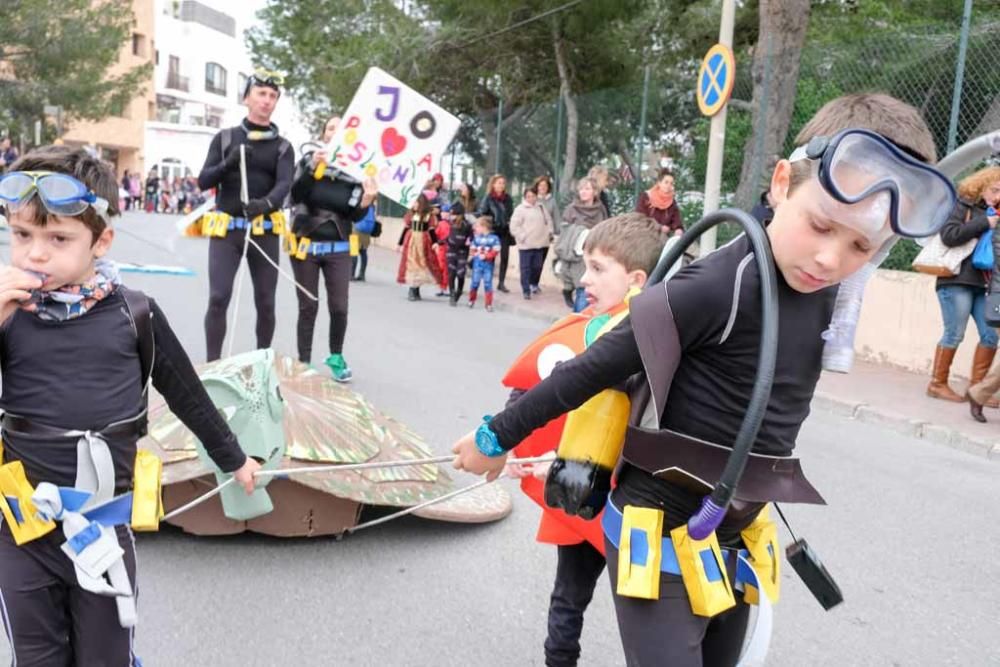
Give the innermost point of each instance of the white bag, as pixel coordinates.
(943, 261)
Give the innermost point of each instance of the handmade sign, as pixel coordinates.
(393, 134)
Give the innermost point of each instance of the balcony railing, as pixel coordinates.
(178, 82)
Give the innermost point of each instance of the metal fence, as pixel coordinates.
(653, 121)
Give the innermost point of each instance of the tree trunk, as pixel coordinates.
(783, 26)
(488, 118)
(625, 153)
(572, 117)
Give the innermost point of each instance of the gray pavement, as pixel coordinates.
(909, 532)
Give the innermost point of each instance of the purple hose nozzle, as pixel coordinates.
(708, 518)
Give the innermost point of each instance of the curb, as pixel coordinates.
(933, 433)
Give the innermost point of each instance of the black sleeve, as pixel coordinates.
(957, 231)
(211, 173)
(607, 363)
(358, 213)
(283, 178)
(303, 185)
(175, 378)
(484, 208)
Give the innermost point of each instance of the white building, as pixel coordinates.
(202, 64)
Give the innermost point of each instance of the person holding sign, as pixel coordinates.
(326, 210)
(269, 166)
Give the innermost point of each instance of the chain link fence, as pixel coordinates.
(918, 64)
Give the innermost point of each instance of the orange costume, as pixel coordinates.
(562, 341)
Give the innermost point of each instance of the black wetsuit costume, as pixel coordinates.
(270, 166)
(708, 395)
(319, 224)
(84, 373)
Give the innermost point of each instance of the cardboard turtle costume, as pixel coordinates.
(288, 415)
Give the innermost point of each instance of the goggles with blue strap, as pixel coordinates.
(856, 165)
(60, 194)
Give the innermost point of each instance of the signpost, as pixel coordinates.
(715, 84)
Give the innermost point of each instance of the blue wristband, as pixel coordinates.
(486, 440)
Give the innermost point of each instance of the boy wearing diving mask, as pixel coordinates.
(78, 350)
(859, 178)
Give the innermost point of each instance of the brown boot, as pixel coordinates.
(981, 363)
(938, 388)
(975, 409)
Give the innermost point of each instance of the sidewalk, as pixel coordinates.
(871, 393)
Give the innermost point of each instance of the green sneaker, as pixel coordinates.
(338, 366)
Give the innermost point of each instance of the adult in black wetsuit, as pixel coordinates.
(270, 166)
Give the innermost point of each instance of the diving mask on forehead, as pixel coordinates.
(60, 194)
(871, 181)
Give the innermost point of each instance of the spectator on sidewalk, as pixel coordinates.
(964, 294)
(983, 188)
(602, 179)
(532, 230)
(547, 199)
(498, 206)
(577, 220)
(8, 154)
(134, 189)
(152, 190)
(659, 203)
(124, 191)
(467, 197)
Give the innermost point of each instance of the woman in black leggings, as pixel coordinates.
(325, 212)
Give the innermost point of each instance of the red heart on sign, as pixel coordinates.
(392, 142)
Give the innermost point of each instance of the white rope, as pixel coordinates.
(426, 503)
(198, 501)
(283, 272)
(348, 467)
(243, 257)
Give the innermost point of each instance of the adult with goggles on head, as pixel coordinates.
(689, 356)
(270, 166)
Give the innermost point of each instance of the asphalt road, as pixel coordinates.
(910, 530)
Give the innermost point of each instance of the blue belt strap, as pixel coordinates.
(611, 522)
(115, 512)
(328, 247)
(243, 223)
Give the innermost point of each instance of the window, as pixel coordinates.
(215, 78)
(174, 78)
(138, 45)
(241, 78)
(119, 108)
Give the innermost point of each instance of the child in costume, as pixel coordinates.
(441, 232)
(619, 253)
(860, 178)
(457, 251)
(484, 248)
(418, 264)
(77, 349)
